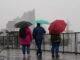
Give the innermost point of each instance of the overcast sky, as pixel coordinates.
(69, 10)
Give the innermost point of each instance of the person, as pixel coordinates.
(55, 42)
(38, 35)
(25, 36)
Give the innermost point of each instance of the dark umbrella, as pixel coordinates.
(1, 32)
(57, 26)
(23, 24)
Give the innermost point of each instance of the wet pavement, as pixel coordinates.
(16, 54)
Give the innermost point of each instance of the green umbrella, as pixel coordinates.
(40, 21)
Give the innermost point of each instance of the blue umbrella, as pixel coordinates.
(40, 21)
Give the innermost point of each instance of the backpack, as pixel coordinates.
(22, 33)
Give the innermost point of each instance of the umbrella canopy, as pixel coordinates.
(40, 21)
(23, 24)
(1, 32)
(58, 26)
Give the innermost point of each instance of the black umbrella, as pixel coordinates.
(1, 32)
(23, 24)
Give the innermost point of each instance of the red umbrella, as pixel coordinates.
(58, 26)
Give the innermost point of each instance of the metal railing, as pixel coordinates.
(70, 42)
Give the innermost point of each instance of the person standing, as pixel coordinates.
(55, 42)
(38, 35)
(25, 36)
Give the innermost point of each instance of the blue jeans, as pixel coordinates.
(55, 48)
(24, 49)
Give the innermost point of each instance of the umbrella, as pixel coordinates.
(1, 32)
(58, 26)
(40, 21)
(23, 24)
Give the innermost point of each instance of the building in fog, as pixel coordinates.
(27, 16)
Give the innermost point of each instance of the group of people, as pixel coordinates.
(26, 37)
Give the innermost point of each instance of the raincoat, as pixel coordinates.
(38, 33)
(28, 39)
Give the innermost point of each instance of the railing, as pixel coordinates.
(70, 42)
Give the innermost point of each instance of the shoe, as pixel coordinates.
(37, 53)
(52, 56)
(40, 55)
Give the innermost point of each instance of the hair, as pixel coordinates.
(22, 33)
(38, 24)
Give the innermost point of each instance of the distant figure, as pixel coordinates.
(55, 42)
(25, 39)
(38, 35)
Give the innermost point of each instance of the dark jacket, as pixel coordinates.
(38, 33)
(55, 38)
